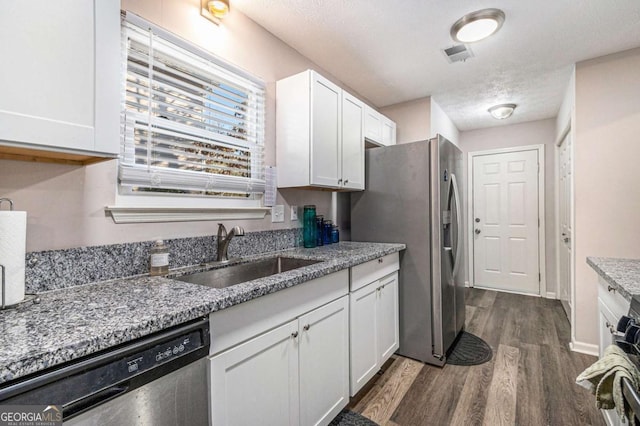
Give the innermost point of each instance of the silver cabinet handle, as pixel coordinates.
(294, 334)
(306, 327)
(381, 260)
(610, 327)
(611, 289)
(346, 181)
(339, 181)
(477, 231)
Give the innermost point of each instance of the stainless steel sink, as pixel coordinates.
(236, 274)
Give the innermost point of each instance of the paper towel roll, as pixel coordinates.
(13, 245)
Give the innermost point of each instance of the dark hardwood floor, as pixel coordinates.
(529, 381)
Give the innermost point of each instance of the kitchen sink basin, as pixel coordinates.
(236, 274)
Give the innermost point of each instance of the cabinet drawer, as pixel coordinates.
(243, 321)
(373, 270)
(612, 299)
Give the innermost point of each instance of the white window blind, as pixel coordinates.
(191, 123)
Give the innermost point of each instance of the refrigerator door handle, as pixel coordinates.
(456, 251)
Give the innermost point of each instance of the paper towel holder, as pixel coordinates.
(3, 287)
(2, 266)
(10, 204)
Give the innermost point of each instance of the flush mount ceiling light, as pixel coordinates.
(502, 111)
(214, 10)
(477, 25)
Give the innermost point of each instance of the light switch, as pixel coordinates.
(294, 212)
(277, 213)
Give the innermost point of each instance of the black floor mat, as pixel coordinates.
(351, 418)
(469, 350)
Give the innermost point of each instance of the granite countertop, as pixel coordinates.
(74, 322)
(622, 274)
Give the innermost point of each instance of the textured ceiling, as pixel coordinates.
(390, 52)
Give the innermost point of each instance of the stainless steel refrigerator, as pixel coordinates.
(412, 196)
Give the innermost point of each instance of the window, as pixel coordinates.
(192, 125)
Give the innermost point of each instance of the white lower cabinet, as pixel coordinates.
(295, 374)
(388, 317)
(374, 328)
(256, 383)
(606, 321)
(324, 362)
(611, 306)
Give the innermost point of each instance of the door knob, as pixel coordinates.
(477, 231)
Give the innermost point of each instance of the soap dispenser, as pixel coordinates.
(159, 259)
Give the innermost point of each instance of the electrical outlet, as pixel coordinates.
(294, 212)
(277, 213)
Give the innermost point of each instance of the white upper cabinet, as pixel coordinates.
(352, 142)
(379, 129)
(326, 107)
(373, 125)
(319, 134)
(388, 131)
(60, 77)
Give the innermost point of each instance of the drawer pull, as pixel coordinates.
(611, 289)
(610, 327)
(294, 334)
(380, 260)
(306, 327)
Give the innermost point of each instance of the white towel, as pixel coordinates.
(604, 379)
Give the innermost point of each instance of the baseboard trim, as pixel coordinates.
(584, 348)
(551, 295)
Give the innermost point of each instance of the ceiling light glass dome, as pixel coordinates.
(477, 25)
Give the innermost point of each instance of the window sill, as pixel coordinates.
(183, 214)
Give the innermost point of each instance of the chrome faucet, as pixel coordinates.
(224, 239)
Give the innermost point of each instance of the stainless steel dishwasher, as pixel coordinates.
(160, 379)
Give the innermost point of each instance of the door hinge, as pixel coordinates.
(538, 222)
(539, 277)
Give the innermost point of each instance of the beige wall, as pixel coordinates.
(65, 204)
(607, 173)
(413, 119)
(442, 125)
(522, 134)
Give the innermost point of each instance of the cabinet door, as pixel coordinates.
(388, 132)
(373, 125)
(324, 362)
(363, 358)
(388, 317)
(326, 156)
(352, 142)
(606, 320)
(256, 383)
(58, 89)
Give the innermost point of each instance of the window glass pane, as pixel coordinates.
(190, 124)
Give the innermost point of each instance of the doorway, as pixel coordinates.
(506, 220)
(565, 214)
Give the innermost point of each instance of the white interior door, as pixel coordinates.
(505, 221)
(565, 205)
